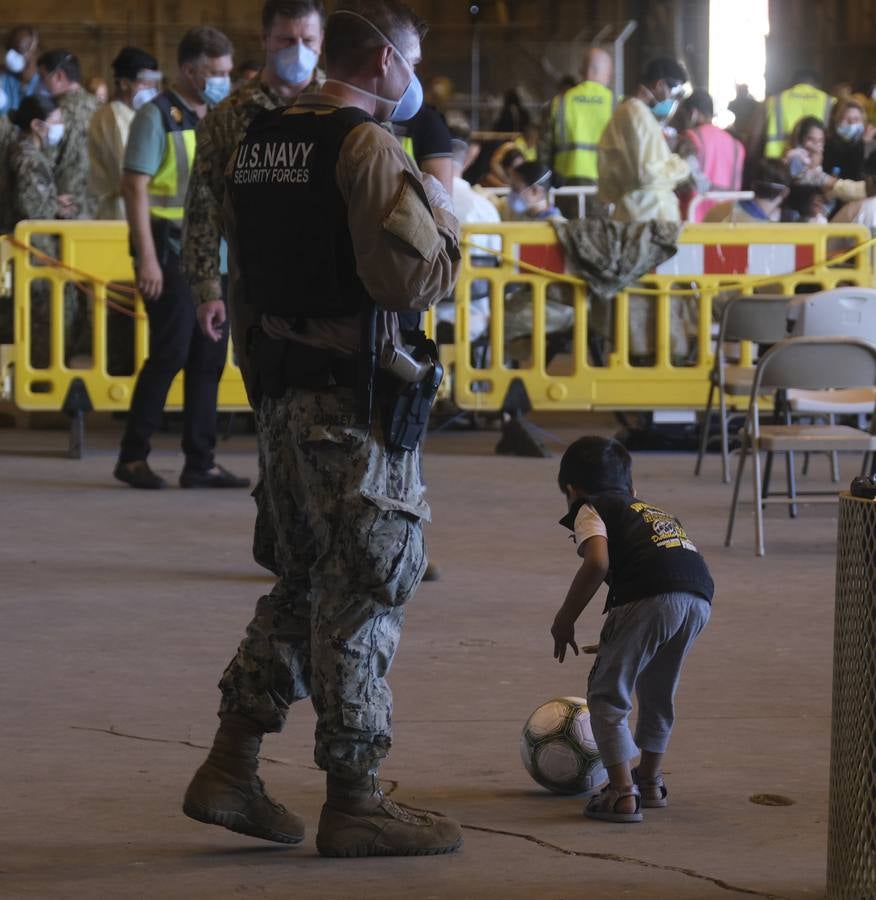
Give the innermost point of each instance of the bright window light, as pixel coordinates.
(737, 51)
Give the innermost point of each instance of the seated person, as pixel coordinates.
(862, 210)
(771, 185)
(529, 200)
(503, 161)
(805, 203)
(805, 153)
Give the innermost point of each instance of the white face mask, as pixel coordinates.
(15, 62)
(55, 134)
(143, 96)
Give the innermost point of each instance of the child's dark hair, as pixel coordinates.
(594, 464)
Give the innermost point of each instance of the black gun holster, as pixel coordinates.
(407, 405)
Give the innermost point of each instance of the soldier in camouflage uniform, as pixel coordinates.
(33, 195)
(285, 23)
(59, 72)
(349, 511)
(8, 135)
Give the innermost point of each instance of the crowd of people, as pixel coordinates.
(62, 141)
(71, 149)
(651, 154)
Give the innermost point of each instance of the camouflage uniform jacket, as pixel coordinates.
(33, 193)
(8, 135)
(219, 133)
(71, 159)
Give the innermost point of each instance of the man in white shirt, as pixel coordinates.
(137, 81)
(470, 206)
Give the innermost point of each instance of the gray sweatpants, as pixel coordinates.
(642, 647)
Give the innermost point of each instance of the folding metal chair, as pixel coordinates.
(760, 318)
(809, 363)
(840, 312)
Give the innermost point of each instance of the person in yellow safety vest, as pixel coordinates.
(783, 111)
(158, 161)
(577, 119)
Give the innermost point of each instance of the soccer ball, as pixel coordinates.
(558, 749)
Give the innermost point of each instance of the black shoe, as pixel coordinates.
(139, 475)
(217, 477)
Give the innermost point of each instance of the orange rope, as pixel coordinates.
(119, 297)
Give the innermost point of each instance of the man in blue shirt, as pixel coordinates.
(18, 70)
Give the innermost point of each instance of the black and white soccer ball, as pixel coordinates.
(558, 749)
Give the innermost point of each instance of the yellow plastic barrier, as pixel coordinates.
(95, 272)
(711, 260)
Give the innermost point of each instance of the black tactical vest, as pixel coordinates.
(175, 116)
(649, 551)
(293, 237)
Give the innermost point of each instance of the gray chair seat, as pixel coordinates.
(851, 402)
(814, 438)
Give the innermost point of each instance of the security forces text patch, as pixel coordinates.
(274, 162)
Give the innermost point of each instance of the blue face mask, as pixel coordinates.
(216, 89)
(408, 105)
(663, 109)
(294, 64)
(516, 204)
(850, 131)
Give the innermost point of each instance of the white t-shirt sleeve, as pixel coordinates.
(588, 524)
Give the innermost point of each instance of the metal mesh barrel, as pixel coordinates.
(851, 855)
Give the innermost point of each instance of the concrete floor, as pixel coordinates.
(120, 609)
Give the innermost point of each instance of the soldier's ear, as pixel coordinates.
(384, 58)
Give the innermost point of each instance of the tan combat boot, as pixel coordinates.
(226, 790)
(358, 819)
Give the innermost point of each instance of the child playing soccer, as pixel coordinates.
(659, 599)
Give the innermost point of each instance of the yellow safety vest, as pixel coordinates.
(578, 118)
(408, 146)
(168, 186)
(784, 111)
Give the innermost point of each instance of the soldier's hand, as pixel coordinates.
(150, 279)
(436, 194)
(66, 207)
(211, 318)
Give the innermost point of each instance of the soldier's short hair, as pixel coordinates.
(291, 9)
(203, 41)
(349, 41)
(63, 61)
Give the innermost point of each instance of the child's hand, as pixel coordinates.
(563, 633)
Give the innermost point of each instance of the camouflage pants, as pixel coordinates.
(349, 546)
(264, 534)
